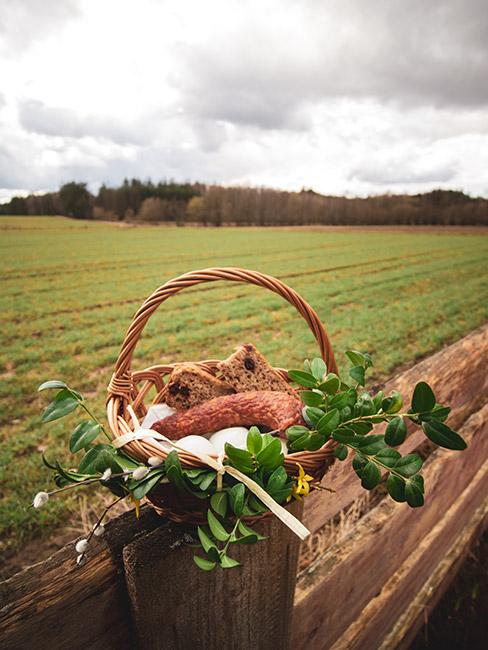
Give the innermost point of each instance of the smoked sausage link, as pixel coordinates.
(265, 408)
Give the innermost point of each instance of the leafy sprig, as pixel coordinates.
(334, 409)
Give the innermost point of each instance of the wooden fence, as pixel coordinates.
(367, 577)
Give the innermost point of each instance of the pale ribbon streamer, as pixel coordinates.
(286, 517)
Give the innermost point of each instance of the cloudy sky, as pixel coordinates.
(344, 96)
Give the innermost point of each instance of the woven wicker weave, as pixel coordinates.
(131, 387)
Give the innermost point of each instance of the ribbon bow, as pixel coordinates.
(286, 517)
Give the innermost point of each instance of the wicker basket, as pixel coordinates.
(131, 387)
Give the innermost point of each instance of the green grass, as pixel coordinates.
(69, 290)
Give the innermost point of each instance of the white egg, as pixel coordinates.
(236, 436)
(196, 445)
(155, 413)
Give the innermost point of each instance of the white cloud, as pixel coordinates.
(346, 97)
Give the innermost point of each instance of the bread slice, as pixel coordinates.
(247, 370)
(190, 385)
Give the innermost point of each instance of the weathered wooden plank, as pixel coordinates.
(56, 604)
(354, 571)
(458, 375)
(387, 619)
(176, 605)
(427, 598)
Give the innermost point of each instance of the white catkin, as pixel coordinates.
(40, 499)
(99, 530)
(155, 461)
(107, 474)
(140, 472)
(81, 546)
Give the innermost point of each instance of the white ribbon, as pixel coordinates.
(148, 434)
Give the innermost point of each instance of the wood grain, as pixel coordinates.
(176, 605)
(56, 604)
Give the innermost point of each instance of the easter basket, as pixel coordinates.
(129, 390)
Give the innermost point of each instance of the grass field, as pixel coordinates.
(69, 290)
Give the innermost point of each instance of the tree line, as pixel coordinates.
(214, 205)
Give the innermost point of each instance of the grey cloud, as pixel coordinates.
(36, 117)
(401, 173)
(410, 53)
(22, 22)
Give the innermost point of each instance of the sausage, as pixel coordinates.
(271, 409)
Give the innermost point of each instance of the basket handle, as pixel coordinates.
(121, 382)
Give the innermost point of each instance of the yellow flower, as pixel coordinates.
(301, 486)
(137, 503)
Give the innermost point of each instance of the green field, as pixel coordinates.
(70, 289)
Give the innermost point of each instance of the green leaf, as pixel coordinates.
(218, 531)
(147, 483)
(311, 398)
(318, 368)
(271, 457)
(370, 476)
(328, 422)
(98, 459)
(370, 445)
(316, 441)
(52, 383)
(423, 398)
(396, 488)
(279, 485)
(83, 435)
(408, 465)
(254, 441)
(218, 501)
(331, 384)
(228, 563)
(393, 403)
(245, 530)
(236, 498)
(295, 432)
(314, 414)
(439, 412)
(206, 480)
(361, 428)
(203, 563)
(63, 404)
(414, 492)
(344, 435)
(396, 431)
(240, 458)
(358, 374)
(173, 470)
(302, 378)
(442, 435)
(339, 401)
(388, 456)
(205, 540)
(378, 399)
(341, 452)
(300, 443)
(359, 358)
(124, 462)
(247, 539)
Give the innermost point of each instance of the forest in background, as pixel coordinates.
(214, 205)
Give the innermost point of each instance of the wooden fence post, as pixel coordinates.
(175, 605)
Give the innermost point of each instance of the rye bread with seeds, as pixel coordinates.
(189, 385)
(247, 370)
